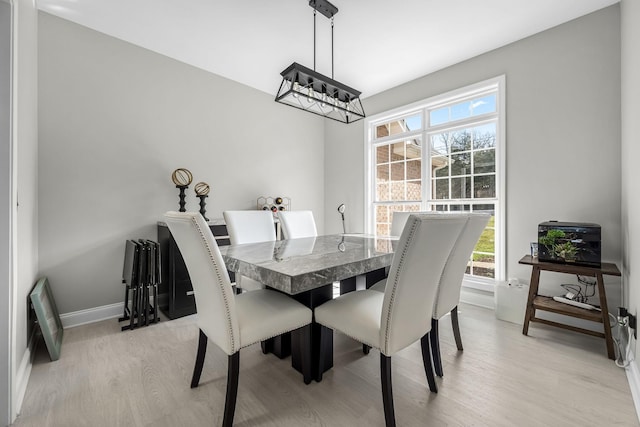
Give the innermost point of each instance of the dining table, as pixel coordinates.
(307, 269)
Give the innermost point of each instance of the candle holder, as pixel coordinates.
(202, 198)
(202, 191)
(341, 209)
(182, 177)
(182, 202)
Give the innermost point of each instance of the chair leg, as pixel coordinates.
(435, 347)
(232, 389)
(197, 369)
(456, 328)
(387, 392)
(426, 360)
(365, 349)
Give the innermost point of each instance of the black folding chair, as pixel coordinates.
(131, 279)
(141, 275)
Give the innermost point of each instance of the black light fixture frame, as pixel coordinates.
(308, 90)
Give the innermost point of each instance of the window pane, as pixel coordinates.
(382, 130)
(382, 214)
(397, 171)
(382, 154)
(484, 136)
(484, 161)
(382, 192)
(414, 190)
(382, 173)
(414, 169)
(413, 149)
(442, 189)
(460, 208)
(440, 143)
(440, 165)
(461, 110)
(382, 229)
(397, 151)
(414, 122)
(486, 243)
(399, 126)
(484, 186)
(439, 116)
(461, 164)
(485, 267)
(460, 140)
(397, 190)
(461, 188)
(486, 104)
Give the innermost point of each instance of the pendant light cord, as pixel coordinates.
(314, 39)
(332, 47)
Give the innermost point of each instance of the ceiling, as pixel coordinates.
(378, 44)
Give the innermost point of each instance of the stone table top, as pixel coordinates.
(298, 265)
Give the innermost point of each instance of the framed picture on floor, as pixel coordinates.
(48, 317)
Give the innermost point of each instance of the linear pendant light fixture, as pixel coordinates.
(311, 91)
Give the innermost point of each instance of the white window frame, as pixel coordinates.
(423, 106)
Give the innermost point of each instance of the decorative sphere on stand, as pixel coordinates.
(201, 189)
(181, 177)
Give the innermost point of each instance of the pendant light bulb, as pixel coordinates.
(296, 89)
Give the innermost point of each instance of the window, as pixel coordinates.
(442, 154)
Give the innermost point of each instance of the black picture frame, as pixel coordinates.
(48, 317)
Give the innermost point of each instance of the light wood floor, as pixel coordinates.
(141, 378)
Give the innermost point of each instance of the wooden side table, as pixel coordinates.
(539, 302)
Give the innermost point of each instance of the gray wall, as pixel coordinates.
(563, 134)
(630, 13)
(116, 120)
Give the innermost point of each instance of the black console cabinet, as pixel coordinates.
(176, 293)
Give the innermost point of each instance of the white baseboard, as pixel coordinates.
(23, 373)
(91, 315)
(477, 297)
(633, 376)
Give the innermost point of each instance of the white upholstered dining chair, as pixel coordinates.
(448, 294)
(398, 220)
(297, 224)
(249, 227)
(401, 315)
(232, 322)
(448, 291)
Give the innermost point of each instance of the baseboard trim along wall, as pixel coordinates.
(633, 376)
(477, 297)
(22, 377)
(91, 315)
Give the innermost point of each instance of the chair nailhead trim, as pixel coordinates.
(225, 297)
(409, 241)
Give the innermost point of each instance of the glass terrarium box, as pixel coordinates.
(569, 243)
